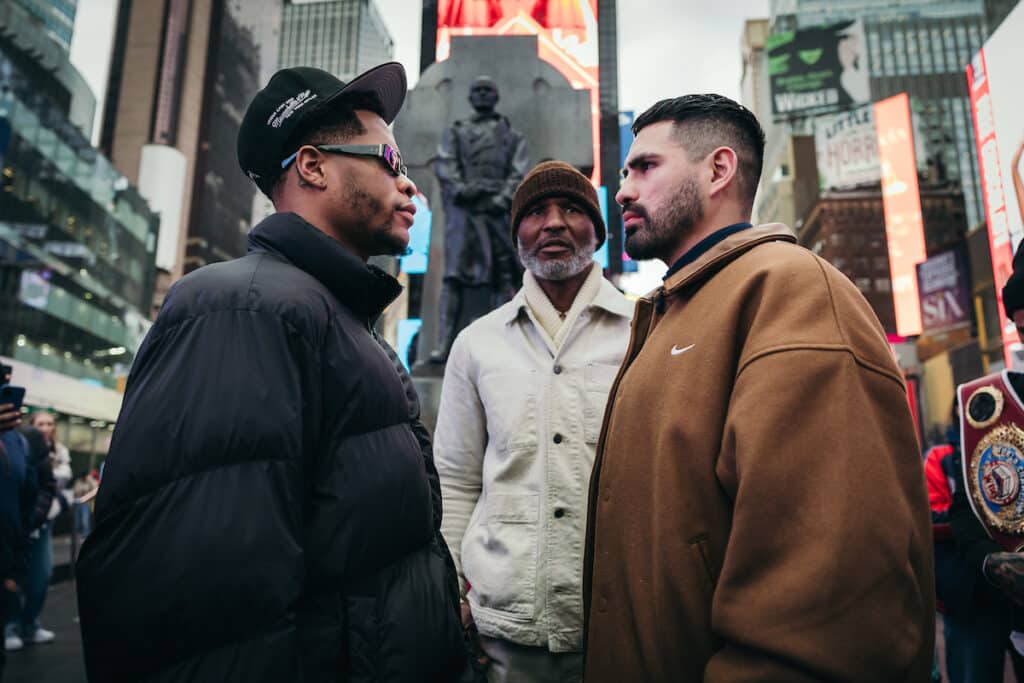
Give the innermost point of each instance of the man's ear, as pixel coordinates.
(309, 164)
(724, 166)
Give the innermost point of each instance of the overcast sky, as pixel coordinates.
(666, 48)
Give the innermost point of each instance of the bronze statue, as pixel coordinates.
(480, 163)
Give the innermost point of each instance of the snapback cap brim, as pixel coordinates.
(387, 81)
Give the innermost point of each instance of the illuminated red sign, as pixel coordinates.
(901, 200)
(995, 199)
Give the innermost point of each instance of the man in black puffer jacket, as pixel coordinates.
(270, 510)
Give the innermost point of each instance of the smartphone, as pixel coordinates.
(13, 395)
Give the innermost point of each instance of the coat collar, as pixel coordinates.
(608, 298)
(366, 290)
(723, 252)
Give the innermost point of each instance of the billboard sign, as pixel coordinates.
(997, 103)
(945, 292)
(846, 146)
(566, 33)
(414, 261)
(901, 200)
(818, 69)
(625, 142)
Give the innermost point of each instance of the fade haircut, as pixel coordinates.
(703, 123)
(335, 126)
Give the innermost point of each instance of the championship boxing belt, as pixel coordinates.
(992, 445)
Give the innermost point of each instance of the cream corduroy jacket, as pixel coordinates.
(514, 446)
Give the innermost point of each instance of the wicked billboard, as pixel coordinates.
(818, 69)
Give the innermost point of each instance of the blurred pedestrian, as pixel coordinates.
(23, 623)
(60, 457)
(17, 502)
(983, 594)
(757, 507)
(52, 465)
(521, 405)
(82, 489)
(269, 508)
(975, 616)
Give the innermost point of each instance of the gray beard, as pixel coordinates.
(560, 269)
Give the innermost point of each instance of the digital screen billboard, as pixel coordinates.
(818, 69)
(566, 33)
(945, 289)
(997, 103)
(901, 201)
(846, 147)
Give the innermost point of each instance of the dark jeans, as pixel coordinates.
(25, 621)
(82, 519)
(976, 647)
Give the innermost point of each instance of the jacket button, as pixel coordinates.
(557, 369)
(559, 513)
(558, 438)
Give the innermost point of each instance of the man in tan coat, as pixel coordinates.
(758, 509)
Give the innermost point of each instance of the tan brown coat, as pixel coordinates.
(758, 508)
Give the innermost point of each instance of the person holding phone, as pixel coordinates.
(17, 498)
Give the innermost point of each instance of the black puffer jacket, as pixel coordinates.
(270, 509)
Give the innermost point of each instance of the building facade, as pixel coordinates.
(847, 229)
(182, 73)
(56, 17)
(342, 37)
(77, 250)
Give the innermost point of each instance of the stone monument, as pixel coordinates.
(480, 162)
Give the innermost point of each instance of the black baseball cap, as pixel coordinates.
(292, 99)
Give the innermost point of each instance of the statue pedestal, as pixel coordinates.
(426, 377)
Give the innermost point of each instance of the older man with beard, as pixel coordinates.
(521, 407)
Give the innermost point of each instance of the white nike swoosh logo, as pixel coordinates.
(676, 350)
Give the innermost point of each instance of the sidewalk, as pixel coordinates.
(61, 660)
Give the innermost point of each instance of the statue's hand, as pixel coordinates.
(467, 194)
(496, 204)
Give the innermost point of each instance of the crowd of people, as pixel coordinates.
(720, 482)
(36, 488)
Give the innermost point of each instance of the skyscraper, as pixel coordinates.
(77, 244)
(343, 37)
(182, 74)
(56, 17)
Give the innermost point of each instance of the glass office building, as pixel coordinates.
(343, 37)
(77, 249)
(57, 18)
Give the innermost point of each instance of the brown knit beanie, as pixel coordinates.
(556, 179)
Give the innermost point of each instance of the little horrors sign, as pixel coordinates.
(818, 69)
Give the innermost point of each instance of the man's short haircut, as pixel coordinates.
(336, 125)
(706, 122)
